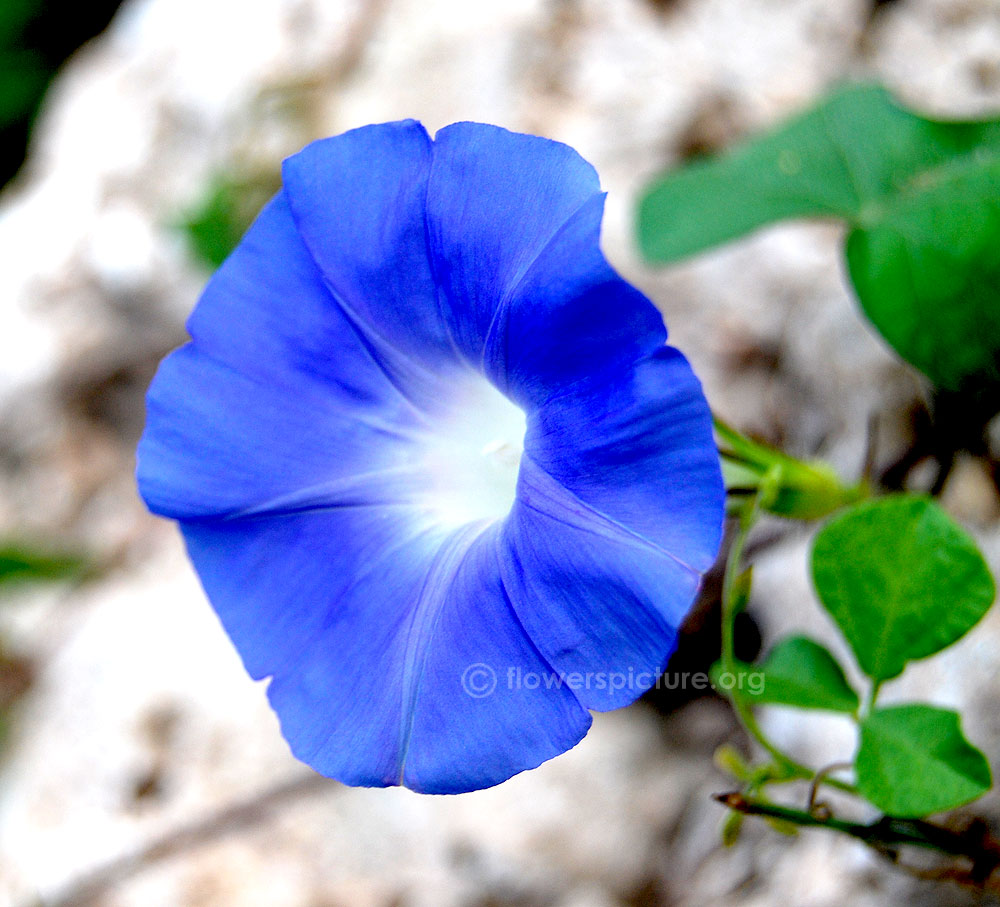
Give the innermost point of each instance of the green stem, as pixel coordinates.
(749, 513)
(886, 834)
(872, 696)
(747, 519)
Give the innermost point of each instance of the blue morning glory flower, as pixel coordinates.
(441, 477)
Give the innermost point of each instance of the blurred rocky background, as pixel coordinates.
(140, 766)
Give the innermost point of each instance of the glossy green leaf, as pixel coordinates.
(920, 195)
(901, 580)
(798, 672)
(914, 761)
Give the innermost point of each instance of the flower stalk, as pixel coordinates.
(777, 483)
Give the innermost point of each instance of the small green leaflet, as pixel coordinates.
(914, 761)
(901, 580)
(797, 672)
(922, 201)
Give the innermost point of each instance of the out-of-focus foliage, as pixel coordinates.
(922, 202)
(20, 563)
(224, 214)
(36, 37)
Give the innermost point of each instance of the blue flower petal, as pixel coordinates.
(638, 448)
(364, 626)
(598, 599)
(277, 580)
(267, 313)
(221, 443)
(321, 602)
(359, 201)
(572, 319)
(495, 201)
(488, 703)
(616, 415)
(276, 396)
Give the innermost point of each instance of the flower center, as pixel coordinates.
(474, 456)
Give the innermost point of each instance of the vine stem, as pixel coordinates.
(888, 834)
(974, 853)
(791, 768)
(872, 697)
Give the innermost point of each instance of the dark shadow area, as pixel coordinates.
(699, 647)
(36, 38)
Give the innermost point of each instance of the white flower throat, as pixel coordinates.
(473, 457)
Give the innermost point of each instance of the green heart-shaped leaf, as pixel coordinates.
(914, 761)
(797, 672)
(922, 198)
(901, 580)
